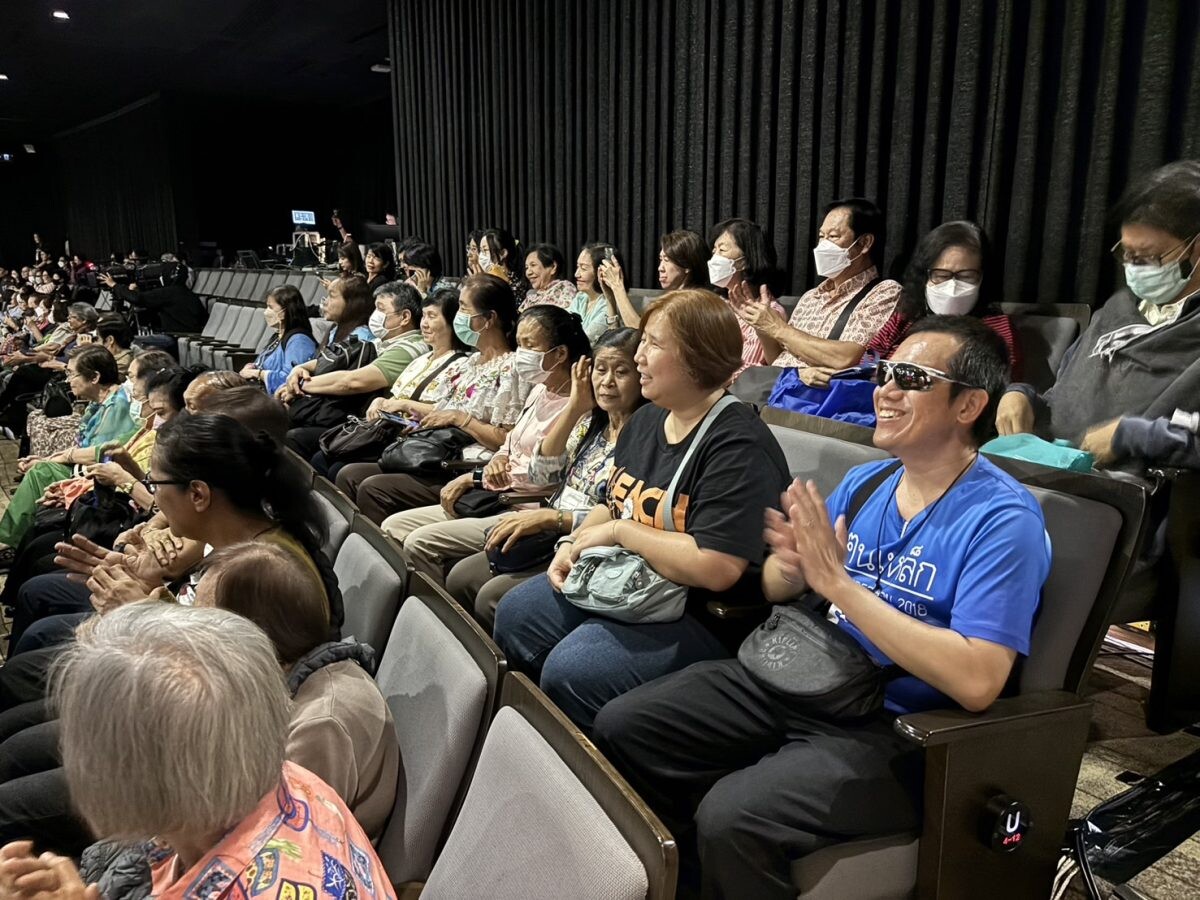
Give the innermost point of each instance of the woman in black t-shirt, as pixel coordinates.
(691, 346)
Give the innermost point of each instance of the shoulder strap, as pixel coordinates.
(420, 388)
(668, 501)
(835, 333)
(867, 489)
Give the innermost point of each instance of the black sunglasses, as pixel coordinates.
(911, 377)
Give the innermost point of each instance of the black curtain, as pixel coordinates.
(117, 182)
(622, 119)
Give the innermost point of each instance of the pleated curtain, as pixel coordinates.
(619, 120)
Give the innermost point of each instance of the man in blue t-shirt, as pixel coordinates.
(938, 571)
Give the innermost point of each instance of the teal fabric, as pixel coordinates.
(1031, 448)
(108, 421)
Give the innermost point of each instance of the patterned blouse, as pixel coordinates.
(819, 309)
(421, 368)
(300, 843)
(584, 479)
(490, 391)
(559, 293)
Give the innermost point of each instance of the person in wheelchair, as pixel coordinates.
(933, 563)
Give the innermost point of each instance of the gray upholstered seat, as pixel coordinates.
(1041, 342)
(438, 696)
(338, 509)
(372, 577)
(824, 460)
(530, 830)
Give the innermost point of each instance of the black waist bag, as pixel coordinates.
(817, 666)
(100, 515)
(423, 452)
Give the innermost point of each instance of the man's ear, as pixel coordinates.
(971, 404)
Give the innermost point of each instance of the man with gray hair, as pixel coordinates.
(174, 722)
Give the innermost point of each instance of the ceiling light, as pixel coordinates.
(383, 67)
(60, 14)
(29, 148)
(3, 77)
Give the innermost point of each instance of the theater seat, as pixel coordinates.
(1028, 745)
(1042, 343)
(338, 509)
(440, 675)
(546, 817)
(818, 457)
(372, 575)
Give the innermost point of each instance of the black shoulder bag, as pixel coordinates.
(819, 668)
(835, 333)
(324, 412)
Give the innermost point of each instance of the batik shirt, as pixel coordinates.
(299, 843)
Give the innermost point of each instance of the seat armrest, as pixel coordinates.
(944, 726)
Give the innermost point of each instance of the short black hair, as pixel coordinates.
(756, 247)
(1167, 199)
(404, 296)
(424, 256)
(113, 325)
(445, 298)
(92, 360)
(550, 257)
(173, 382)
(981, 361)
(865, 218)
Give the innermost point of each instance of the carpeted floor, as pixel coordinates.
(1120, 742)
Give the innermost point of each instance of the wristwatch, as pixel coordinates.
(477, 477)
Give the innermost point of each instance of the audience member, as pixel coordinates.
(114, 335)
(380, 264)
(779, 776)
(172, 308)
(682, 263)
(690, 347)
(499, 256)
(136, 690)
(349, 307)
(742, 264)
(422, 267)
(473, 241)
(424, 381)
(550, 341)
(31, 371)
(350, 261)
(485, 400)
(596, 304)
(293, 342)
(546, 269)
(206, 384)
(1124, 389)
(575, 453)
(832, 323)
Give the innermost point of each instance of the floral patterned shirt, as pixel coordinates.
(300, 843)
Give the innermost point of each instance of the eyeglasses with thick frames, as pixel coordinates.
(1124, 257)
(911, 377)
(151, 484)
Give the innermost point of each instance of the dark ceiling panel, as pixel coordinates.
(114, 52)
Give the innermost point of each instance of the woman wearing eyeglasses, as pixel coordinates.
(951, 273)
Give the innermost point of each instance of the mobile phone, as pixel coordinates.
(399, 420)
(610, 254)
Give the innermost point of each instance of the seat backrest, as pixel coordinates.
(1096, 525)
(372, 575)
(824, 459)
(1042, 341)
(338, 509)
(547, 817)
(236, 284)
(441, 677)
(641, 297)
(310, 288)
(244, 325)
(235, 319)
(1080, 312)
(788, 302)
(221, 285)
(293, 277)
(216, 316)
(270, 281)
(320, 328)
(204, 278)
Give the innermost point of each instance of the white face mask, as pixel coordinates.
(721, 270)
(831, 260)
(128, 388)
(951, 298)
(528, 364)
(377, 326)
(485, 260)
(135, 409)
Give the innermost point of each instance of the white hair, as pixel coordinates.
(173, 720)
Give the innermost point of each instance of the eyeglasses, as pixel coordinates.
(151, 484)
(911, 377)
(1125, 258)
(941, 276)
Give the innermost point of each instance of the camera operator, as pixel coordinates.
(172, 308)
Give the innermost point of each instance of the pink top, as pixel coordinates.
(541, 408)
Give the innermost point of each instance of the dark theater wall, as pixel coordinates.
(622, 119)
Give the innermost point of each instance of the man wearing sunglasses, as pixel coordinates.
(1128, 389)
(938, 570)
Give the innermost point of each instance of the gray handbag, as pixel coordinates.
(617, 583)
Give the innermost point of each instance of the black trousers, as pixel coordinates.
(379, 494)
(47, 595)
(304, 440)
(26, 379)
(746, 785)
(34, 556)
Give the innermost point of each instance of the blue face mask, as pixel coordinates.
(1158, 284)
(462, 327)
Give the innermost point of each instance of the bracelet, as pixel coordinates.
(560, 521)
(563, 540)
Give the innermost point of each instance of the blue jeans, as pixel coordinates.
(582, 661)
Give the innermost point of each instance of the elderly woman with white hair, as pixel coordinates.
(170, 736)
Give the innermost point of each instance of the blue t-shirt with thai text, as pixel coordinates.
(975, 562)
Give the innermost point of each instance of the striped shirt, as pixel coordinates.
(819, 309)
(896, 329)
(752, 349)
